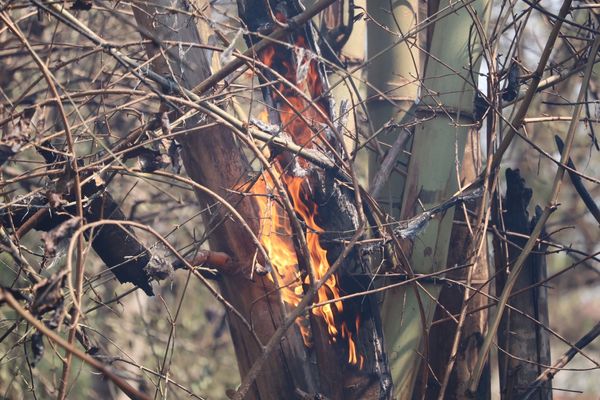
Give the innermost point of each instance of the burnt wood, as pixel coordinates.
(336, 211)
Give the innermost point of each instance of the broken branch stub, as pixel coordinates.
(117, 247)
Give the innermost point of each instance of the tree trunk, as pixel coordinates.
(213, 158)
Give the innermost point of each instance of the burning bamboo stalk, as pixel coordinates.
(316, 197)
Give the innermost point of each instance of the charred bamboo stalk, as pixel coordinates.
(348, 350)
(524, 344)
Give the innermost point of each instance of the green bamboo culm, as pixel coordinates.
(393, 76)
(447, 95)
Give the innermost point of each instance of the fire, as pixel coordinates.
(318, 255)
(275, 235)
(302, 119)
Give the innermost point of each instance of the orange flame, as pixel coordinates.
(275, 235)
(318, 255)
(297, 115)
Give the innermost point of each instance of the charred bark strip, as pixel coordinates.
(303, 110)
(524, 345)
(372, 381)
(441, 335)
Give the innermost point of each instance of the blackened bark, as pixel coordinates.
(523, 343)
(310, 122)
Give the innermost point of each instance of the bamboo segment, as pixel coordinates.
(403, 327)
(393, 83)
(437, 153)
